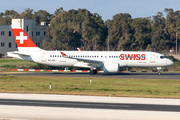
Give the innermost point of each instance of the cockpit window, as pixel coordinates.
(162, 57)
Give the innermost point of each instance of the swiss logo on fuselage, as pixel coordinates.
(132, 56)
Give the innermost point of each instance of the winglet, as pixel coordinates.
(79, 49)
(63, 54)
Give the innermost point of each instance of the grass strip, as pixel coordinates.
(97, 87)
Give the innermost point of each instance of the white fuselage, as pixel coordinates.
(123, 58)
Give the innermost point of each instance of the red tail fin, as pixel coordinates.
(22, 39)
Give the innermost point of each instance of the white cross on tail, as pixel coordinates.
(21, 38)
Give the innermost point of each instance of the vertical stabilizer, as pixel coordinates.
(23, 41)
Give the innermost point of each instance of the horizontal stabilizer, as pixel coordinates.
(18, 53)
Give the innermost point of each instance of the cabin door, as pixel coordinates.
(43, 57)
(152, 58)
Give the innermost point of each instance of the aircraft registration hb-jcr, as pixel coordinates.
(108, 61)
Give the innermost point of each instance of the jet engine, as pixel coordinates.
(110, 67)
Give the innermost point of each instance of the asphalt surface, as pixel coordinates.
(174, 76)
(91, 105)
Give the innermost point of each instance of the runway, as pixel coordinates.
(91, 105)
(74, 107)
(174, 76)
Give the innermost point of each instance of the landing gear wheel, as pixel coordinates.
(159, 70)
(92, 72)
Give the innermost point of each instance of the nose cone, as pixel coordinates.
(169, 62)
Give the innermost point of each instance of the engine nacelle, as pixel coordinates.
(110, 67)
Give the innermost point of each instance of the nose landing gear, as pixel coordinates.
(159, 70)
(159, 73)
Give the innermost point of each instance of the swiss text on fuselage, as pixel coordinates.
(132, 56)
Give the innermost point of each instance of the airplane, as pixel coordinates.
(108, 61)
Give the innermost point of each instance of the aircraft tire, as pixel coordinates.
(94, 71)
(91, 72)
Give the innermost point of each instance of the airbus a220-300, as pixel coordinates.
(107, 61)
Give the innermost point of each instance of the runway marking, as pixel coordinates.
(88, 104)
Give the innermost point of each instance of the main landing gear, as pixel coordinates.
(92, 71)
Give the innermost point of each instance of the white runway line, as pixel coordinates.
(78, 98)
